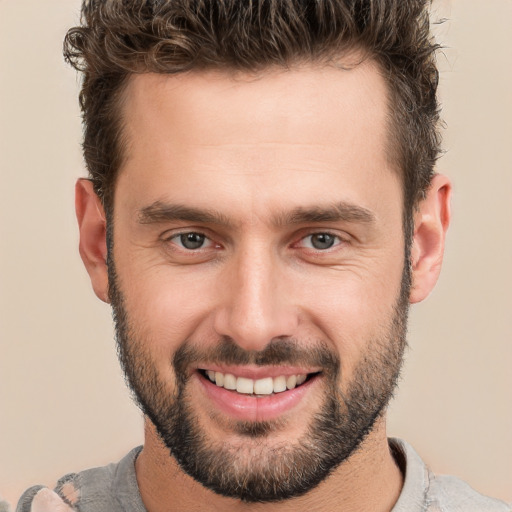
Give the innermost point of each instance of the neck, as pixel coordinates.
(369, 480)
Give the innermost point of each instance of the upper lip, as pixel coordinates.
(258, 372)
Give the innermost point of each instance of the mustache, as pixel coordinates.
(280, 351)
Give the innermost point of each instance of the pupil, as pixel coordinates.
(322, 241)
(192, 240)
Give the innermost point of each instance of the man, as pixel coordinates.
(261, 211)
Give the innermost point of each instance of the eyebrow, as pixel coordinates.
(342, 211)
(160, 212)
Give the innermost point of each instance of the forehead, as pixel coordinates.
(286, 131)
(292, 100)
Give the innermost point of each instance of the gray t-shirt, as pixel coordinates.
(113, 488)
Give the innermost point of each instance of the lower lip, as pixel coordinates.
(251, 408)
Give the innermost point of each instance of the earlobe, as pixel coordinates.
(93, 229)
(430, 225)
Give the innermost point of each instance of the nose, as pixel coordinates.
(255, 305)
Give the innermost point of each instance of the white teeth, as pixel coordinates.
(279, 384)
(229, 381)
(219, 379)
(244, 385)
(265, 386)
(301, 379)
(291, 381)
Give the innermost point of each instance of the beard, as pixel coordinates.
(257, 469)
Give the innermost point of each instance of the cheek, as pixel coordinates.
(166, 306)
(355, 309)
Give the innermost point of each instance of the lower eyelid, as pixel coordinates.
(338, 240)
(209, 243)
(205, 242)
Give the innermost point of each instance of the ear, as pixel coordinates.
(93, 240)
(430, 225)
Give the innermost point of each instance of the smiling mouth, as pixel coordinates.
(256, 387)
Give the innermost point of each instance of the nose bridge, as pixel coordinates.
(255, 307)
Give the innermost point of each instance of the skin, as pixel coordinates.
(256, 148)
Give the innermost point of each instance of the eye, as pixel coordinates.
(191, 241)
(320, 241)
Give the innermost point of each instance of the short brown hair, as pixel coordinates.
(120, 37)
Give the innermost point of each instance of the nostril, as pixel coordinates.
(252, 326)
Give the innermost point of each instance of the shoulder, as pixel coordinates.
(450, 493)
(108, 488)
(423, 491)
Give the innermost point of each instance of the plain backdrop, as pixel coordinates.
(63, 403)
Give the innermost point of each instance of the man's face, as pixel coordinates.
(257, 242)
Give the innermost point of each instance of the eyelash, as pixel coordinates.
(177, 236)
(337, 240)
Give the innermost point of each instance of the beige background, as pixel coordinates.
(63, 405)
